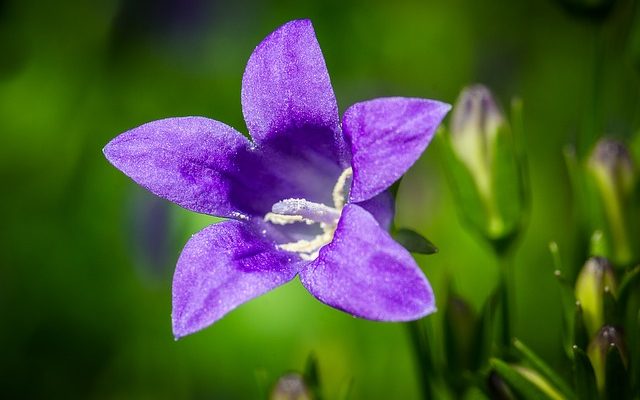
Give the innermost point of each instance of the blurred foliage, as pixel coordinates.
(85, 275)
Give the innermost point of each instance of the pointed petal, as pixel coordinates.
(286, 91)
(364, 272)
(222, 267)
(189, 161)
(387, 136)
(382, 207)
(286, 83)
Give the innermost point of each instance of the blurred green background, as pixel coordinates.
(86, 256)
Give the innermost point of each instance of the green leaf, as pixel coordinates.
(629, 282)
(539, 365)
(584, 376)
(414, 242)
(497, 388)
(484, 332)
(459, 335)
(616, 377)
(526, 383)
(424, 357)
(580, 335)
(567, 297)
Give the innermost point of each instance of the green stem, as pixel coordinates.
(423, 355)
(507, 300)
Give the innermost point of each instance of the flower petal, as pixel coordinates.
(382, 207)
(189, 161)
(387, 136)
(364, 272)
(221, 267)
(286, 90)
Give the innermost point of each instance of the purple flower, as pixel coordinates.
(306, 196)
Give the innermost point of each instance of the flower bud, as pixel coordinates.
(596, 278)
(290, 387)
(607, 343)
(485, 166)
(614, 176)
(474, 129)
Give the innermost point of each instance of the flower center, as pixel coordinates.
(291, 211)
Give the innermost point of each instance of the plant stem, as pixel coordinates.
(507, 299)
(423, 355)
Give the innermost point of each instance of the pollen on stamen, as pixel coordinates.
(316, 212)
(281, 219)
(294, 210)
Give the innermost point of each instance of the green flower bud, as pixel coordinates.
(474, 129)
(484, 165)
(290, 387)
(614, 176)
(596, 278)
(608, 343)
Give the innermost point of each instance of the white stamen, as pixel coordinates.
(307, 210)
(340, 190)
(309, 249)
(280, 219)
(290, 211)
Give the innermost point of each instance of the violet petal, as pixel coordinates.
(382, 207)
(189, 161)
(387, 136)
(222, 267)
(364, 272)
(286, 90)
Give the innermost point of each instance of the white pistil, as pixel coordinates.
(290, 211)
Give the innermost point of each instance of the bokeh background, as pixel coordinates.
(86, 257)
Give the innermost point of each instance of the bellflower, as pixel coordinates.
(306, 196)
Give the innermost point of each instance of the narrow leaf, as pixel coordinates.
(584, 376)
(567, 297)
(629, 282)
(523, 382)
(424, 357)
(580, 335)
(616, 378)
(414, 242)
(539, 365)
(484, 332)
